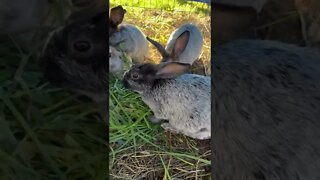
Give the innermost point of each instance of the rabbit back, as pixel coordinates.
(132, 41)
(194, 47)
(185, 101)
(266, 106)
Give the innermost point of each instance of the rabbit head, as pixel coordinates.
(115, 19)
(184, 45)
(75, 55)
(142, 77)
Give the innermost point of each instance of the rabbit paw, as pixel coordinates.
(157, 120)
(168, 127)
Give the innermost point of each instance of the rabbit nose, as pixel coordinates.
(52, 72)
(125, 83)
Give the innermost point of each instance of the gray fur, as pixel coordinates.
(183, 101)
(128, 38)
(69, 66)
(266, 106)
(132, 41)
(115, 61)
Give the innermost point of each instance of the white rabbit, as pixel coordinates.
(129, 38)
(184, 45)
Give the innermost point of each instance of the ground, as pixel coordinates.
(140, 149)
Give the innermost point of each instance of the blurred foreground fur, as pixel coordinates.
(75, 55)
(266, 106)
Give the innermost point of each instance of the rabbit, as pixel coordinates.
(115, 61)
(180, 101)
(266, 106)
(184, 45)
(128, 38)
(75, 55)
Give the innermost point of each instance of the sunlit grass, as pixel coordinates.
(139, 148)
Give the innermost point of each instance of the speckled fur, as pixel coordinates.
(184, 101)
(266, 106)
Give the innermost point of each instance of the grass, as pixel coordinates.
(159, 24)
(175, 5)
(138, 148)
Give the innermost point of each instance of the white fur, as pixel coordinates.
(130, 39)
(115, 61)
(194, 47)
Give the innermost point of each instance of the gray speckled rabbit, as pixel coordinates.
(184, 45)
(181, 100)
(127, 37)
(266, 111)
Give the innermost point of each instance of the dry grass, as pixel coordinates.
(148, 162)
(139, 149)
(158, 25)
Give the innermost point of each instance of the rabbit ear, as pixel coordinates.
(117, 15)
(171, 70)
(180, 44)
(159, 47)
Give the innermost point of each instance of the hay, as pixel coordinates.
(138, 148)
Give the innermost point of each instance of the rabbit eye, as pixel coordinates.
(135, 76)
(110, 55)
(82, 46)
